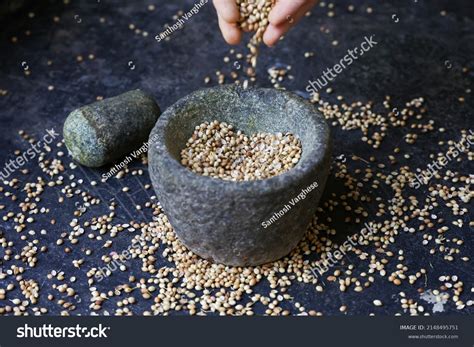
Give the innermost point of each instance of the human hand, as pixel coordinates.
(228, 16)
(284, 15)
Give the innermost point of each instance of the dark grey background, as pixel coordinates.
(409, 61)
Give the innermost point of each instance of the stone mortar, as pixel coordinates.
(223, 221)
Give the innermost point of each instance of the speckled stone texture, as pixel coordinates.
(107, 130)
(222, 221)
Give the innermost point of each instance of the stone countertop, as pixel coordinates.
(419, 53)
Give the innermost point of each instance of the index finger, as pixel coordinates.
(285, 9)
(227, 10)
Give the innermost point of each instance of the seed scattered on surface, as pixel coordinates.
(377, 302)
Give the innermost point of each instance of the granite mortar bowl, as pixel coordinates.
(236, 223)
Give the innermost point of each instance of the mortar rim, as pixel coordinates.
(315, 157)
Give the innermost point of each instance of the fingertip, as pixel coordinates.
(230, 31)
(282, 22)
(285, 11)
(233, 37)
(228, 10)
(275, 18)
(271, 36)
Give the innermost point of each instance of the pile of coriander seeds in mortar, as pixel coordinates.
(215, 149)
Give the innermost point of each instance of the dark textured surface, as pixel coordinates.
(420, 55)
(108, 130)
(221, 220)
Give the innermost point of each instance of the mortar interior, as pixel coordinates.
(258, 111)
